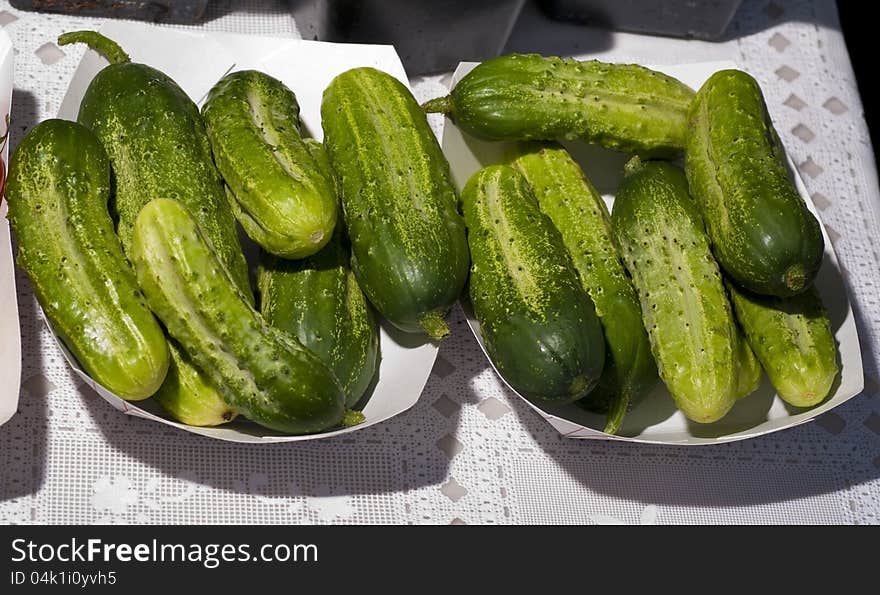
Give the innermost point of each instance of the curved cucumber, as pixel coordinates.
(577, 210)
(188, 396)
(538, 324)
(409, 251)
(792, 339)
(279, 194)
(625, 107)
(762, 233)
(260, 371)
(318, 301)
(158, 147)
(684, 305)
(58, 188)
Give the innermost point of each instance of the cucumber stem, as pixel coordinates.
(440, 105)
(795, 278)
(633, 165)
(434, 324)
(352, 418)
(616, 412)
(97, 42)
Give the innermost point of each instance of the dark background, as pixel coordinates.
(861, 41)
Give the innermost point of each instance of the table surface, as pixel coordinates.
(470, 451)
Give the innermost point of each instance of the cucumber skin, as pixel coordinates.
(762, 233)
(409, 250)
(318, 301)
(261, 372)
(279, 193)
(531, 97)
(792, 339)
(539, 326)
(578, 211)
(58, 188)
(684, 305)
(158, 147)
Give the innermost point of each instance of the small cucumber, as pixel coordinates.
(625, 107)
(409, 251)
(762, 233)
(538, 324)
(578, 211)
(792, 339)
(318, 301)
(260, 371)
(278, 192)
(58, 189)
(684, 306)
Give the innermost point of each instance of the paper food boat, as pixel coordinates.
(198, 60)
(656, 420)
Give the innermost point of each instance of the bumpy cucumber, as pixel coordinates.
(625, 107)
(261, 372)
(158, 147)
(762, 233)
(409, 251)
(684, 305)
(577, 210)
(58, 188)
(278, 192)
(749, 369)
(538, 324)
(792, 339)
(318, 301)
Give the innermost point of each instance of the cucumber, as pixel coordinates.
(625, 107)
(261, 372)
(684, 305)
(158, 147)
(409, 251)
(762, 233)
(58, 188)
(278, 192)
(577, 210)
(539, 326)
(749, 369)
(318, 301)
(792, 339)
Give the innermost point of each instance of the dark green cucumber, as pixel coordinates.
(318, 301)
(58, 189)
(279, 194)
(538, 324)
(409, 251)
(261, 371)
(577, 210)
(684, 305)
(762, 233)
(158, 147)
(625, 107)
(792, 339)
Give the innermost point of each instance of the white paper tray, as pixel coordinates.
(656, 420)
(198, 60)
(10, 337)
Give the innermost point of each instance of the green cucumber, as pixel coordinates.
(261, 372)
(278, 192)
(58, 189)
(684, 305)
(409, 251)
(792, 339)
(578, 211)
(749, 369)
(625, 107)
(539, 326)
(762, 233)
(158, 147)
(318, 301)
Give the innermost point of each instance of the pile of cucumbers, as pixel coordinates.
(702, 277)
(126, 223)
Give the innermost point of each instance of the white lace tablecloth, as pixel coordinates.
(470, 452)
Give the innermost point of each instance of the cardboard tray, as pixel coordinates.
(198, 60)
(656, 420)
